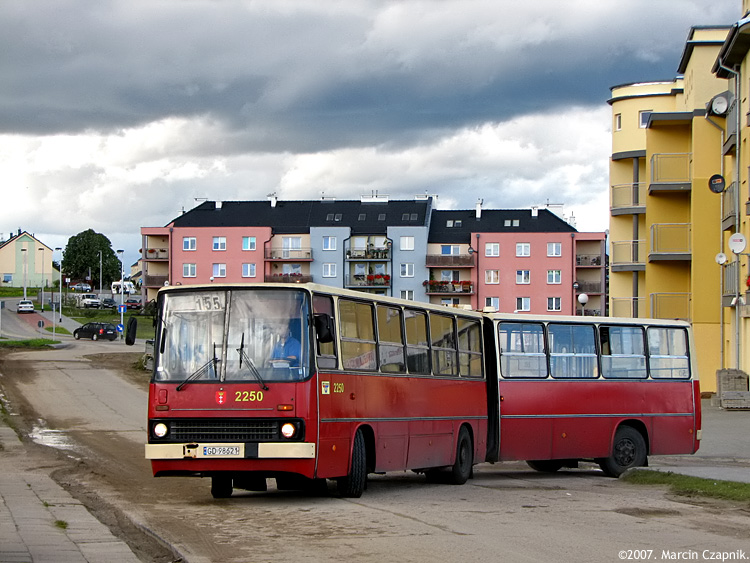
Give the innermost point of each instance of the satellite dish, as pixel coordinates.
(166, 283)
(720, 104)
(721, 258)
(737, 243)
(716, 183)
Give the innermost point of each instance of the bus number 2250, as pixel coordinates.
(248, 396)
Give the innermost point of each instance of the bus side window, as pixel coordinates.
(357, 330)
(667, 350)
(325, 344)
(390, 340)
(443, 345)
(623, 352)
(522, 350)
(417, 345)
(469, 347)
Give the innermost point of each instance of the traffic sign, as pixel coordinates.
(122, 308)
(40, 324)
(120, 327)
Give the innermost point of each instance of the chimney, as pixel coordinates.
(272, 199)
(219, 204)
(479, 208)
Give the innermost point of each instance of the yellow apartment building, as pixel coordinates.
(665, 224)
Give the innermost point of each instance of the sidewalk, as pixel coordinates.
(40, 522)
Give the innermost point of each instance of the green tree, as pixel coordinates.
(82, 256)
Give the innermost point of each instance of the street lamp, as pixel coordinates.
(122, 287)
(23, 250)
(583, 299)
(100, 274)
(42, 249)
(60, 288)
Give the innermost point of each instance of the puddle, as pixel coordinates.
(52, 438)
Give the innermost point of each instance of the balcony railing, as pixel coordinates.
(628, 255)
(589, 287)
(730, 279)
(154, 281)
(670, 306)
(588, 260)
(450, 260)
(628, 198)
(292, 254)
(629, 307)
(670, 241)
(432, 287)
(156, 254)
(369, 280)
(730, 206)
(288, 278)
(355, 254)
(670, 172)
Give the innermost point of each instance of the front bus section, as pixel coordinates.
(233, 393)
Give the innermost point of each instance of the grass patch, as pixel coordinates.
(691, 486)
(58, 330)
(62, 524)
(32, 344)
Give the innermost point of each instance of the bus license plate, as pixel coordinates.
(221, 451)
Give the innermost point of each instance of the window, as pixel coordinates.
(390, 340)
(329, 270)
(469, 347)
(417, 346)
(618, 122)
(291, 269)
(404, 216)
(362, 217)
(492, 276)
(492, 249)
(522, 352)
(337, 217)
(554, 276)
(188, 270)
(329, 217)
(523, 249)
(381, 216)
(407, 270)
(623, 354)
(667, 348)
(449, 275)
(406, 243)
(643, 117)
(291, 247)
(450, 223)
(554, 304)
(248, 270)
(523, 303)
(220, 243)
(329, 243)
(449, 249)
(443, 340)
(356, 325)
(523, 277)
(450, 301)
(220, 270)
(189, 243)
(413, 217)
(554, 249)
(407, 294)
(572, 350)
(248, 243)
(493, 302)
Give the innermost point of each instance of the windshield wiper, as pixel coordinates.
(205, 368)
(253, 369)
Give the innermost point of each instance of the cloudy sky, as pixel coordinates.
(118, 114)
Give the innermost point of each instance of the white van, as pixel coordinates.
(128, 288)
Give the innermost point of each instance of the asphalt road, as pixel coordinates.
(87, 403)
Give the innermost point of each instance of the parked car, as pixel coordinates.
(133, 303)
(25, 306)
(88, 301)
(108, 303)
(81, 287)
(96, 331)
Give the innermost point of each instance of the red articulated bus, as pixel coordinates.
(304, 382)
(301, 383)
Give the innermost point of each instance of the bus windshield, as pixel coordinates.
(233, 335)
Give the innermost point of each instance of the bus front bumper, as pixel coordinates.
(263, 450)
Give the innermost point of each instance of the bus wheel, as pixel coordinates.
(353, 485)
(461, 470)
(545, 465)
(628, 450)
(221, 487)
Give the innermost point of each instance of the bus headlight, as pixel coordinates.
(288, 430)
(160, 430)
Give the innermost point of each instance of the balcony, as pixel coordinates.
(287, 278)
(629, 307)
(729, 203)
(589, 287)
(670, 241)
(154, 281)
(670, 306)
(369, 280)
(594, 260)
(289, 254)
(156, 254)
(450, 260)
(628, 256)
(731, 286)
(670, 173)
(375, 254)
(628, 199)
(436, 287)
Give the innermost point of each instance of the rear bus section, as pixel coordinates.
(611, 391)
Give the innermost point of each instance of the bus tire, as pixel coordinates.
(461, 470)
(221, 486)
(354, 484)
(628, 450)
(545, 465)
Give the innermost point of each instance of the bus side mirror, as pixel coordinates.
(130, 331)
(324, 328)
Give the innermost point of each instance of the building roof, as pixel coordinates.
(445, 226)
(369, 215)
(734, 49)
